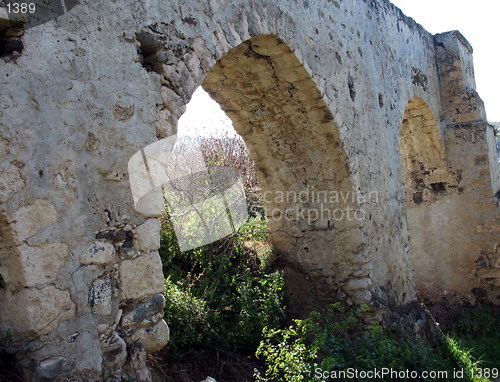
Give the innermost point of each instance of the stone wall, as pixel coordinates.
(453, 212)
(320, 93)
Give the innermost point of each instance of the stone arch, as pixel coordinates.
(425, 182)
(302, 167)
(280, 113)
(50, 96)
(276, 107)
(314, 214)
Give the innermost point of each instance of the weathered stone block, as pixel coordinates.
(153, 338)
(359, 284)
(141, 276)
(29, 220)
(152, 306)
(101, 295)
(99, 253)
(364, 297)
(11, 182)
(42, 263)
(37, 311)
(148, 235)
(52, 368)
(114, 351)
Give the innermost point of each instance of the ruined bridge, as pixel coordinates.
(343, 96)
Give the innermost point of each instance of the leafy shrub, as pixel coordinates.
(222, 294)
(332, 342)
(289, 355)
(186, 316)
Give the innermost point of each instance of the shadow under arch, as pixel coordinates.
(276, 107)
(425, 181)
(423, 153)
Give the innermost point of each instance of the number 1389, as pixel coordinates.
(21, 8)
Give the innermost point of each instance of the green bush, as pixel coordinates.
(222, 293)
(288, 353)
(187, 317)
(477, 321)
(333, 342)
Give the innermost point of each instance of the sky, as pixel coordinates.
(477, 20)
(203, 116)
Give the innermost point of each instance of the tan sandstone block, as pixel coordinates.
(142, 276)
(33, 218)
(153, 338)
(99, 253)
(41, 263)
(37, 311)
(11, 182)
(268, 46)
(287, 61)
(292, 74)
(148, 235)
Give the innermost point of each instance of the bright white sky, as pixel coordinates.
(204, 116)
(477, 20)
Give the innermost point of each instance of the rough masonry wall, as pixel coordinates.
(456, 202)
(80, 275)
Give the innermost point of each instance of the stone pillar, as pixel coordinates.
(459, 98)
(471, 157)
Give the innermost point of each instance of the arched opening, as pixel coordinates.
(425, 181)
(207, 127)
(302, 169)
(313, 215)
(422, 154)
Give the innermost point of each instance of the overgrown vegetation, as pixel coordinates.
(330, 346)
(224, 297)
(220, 296)
(227, 298)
